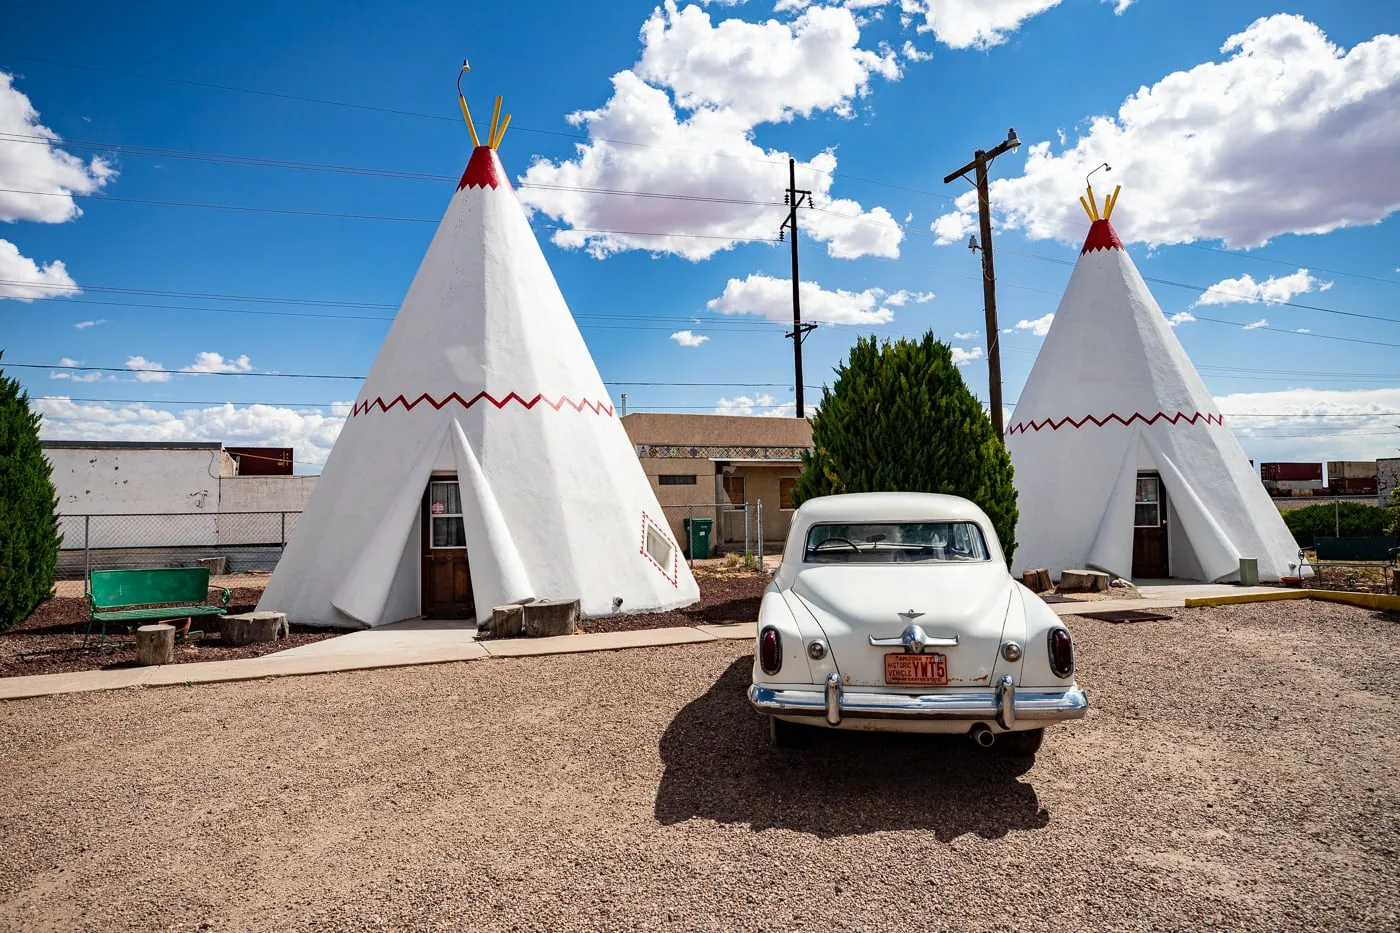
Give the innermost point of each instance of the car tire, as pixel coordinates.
(1022, 744)
(783, 734)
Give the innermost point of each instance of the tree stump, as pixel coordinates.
(508, 621)
(1083, 581)
(217, 566)
(155, 644)
(1037, 581)
(545, 617)
(249, 627)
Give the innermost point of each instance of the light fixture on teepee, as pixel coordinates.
(482, 462)
(1123, 461)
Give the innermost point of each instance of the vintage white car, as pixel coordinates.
(896, 612)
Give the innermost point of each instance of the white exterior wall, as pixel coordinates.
(175, 493)
(267, 497)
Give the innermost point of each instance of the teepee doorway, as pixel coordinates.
(447, 580)
(1150, 553)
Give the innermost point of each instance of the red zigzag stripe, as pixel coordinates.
(598, 408)
(1177, 418)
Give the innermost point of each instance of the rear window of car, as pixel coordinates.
(894, 543)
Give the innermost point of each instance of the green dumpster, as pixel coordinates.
(697, 537)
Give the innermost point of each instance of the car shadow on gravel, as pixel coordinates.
(719, 766)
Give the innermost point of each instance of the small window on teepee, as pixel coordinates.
(658, 548)
(445, 508)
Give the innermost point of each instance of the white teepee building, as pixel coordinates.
(482, 463)
(1123, 461)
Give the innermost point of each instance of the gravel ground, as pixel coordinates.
(1239, 770)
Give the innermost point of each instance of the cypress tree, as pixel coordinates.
(29, 537)
(900, 419)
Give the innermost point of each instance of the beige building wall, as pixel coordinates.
(760, 451)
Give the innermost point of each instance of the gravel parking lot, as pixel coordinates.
(1239, 770)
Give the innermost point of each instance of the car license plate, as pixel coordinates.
(922, 670)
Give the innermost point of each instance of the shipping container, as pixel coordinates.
(1292, 485)
(1358, 486)
(1351, 469)
(1291, 472)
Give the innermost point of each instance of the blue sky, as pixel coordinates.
(1251, 140)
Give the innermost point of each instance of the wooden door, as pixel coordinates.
(1150, 529)
(447, 581)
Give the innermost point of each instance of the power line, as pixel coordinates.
(450, 119)
(340, 216)
(1283, 262)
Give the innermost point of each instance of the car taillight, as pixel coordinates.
(1061, 653)
(770, 651)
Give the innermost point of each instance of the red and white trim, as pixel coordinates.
(364, 407)
(1053, 425)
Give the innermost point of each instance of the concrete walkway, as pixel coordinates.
(417, 641)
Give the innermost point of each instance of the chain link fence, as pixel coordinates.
(227, 542)
(737, 527)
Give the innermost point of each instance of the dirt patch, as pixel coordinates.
(727, 596)
(51, 640)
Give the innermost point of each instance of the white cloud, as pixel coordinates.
(762, 405)
(771, 299)
(1181, 317)
(1262, 322)
(1315, 424)
(1244, 290)
(208, 362)
(84, 325)
(1204, 153)
(962, 357)
(38, 165)
(1040, 326)
(310, 432)
(966, 335)
(204, 362)
(73, 376)
(979, 24)
(1303, 330)
(1119, 5)
(688, 339)
(147, 371)
(731, 77)
(24, 279)
(914, 54)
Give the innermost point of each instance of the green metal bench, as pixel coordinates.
(150, 596)
(1370, 552)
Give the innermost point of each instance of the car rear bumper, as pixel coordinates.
(1006, 705)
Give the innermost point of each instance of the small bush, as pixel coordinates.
(1327, 520)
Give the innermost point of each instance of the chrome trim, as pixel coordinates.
(833, 698)
(914, 640)
(1006, 702)
(978, 706)
(1011, 651)
(816, 649)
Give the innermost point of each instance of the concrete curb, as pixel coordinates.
(280, 664)
(1374, 601)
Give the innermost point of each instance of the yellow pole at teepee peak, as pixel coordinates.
(1111, 203)
(495, 118)
(461, 99)
(501, 133)
(1085, 204)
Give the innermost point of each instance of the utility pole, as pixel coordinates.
(979, 164)
(795, 198)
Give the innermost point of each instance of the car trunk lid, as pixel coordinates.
(853, 603)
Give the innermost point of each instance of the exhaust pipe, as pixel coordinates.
(983, 736)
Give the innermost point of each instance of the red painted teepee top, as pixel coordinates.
(1101, 236)
(483, 170)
